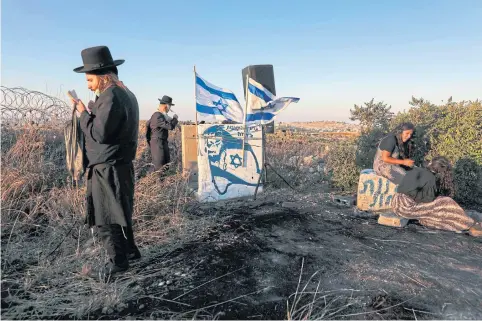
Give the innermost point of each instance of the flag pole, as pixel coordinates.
(245, 114)
(195, 108)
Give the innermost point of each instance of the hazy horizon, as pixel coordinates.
(330, 54)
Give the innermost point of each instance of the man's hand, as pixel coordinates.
(90, 106)
(408, 162)
(174, 116)
(72, 99)
(80, 106)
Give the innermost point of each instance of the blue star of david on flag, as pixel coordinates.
(222, 107)
(216, 104)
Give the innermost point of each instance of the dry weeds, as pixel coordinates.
(45, 246)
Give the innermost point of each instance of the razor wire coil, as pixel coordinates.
(21, 106)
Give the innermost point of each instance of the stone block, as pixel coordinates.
(390, 219)
(189, 148)
(375, 193)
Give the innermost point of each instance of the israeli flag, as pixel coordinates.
(214, 104)
(263, 106)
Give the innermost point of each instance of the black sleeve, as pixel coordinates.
(174, 122)
(148, 131)
(388, 143)
(104, 126)
(158, 121)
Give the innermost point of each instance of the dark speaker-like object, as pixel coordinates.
(263, 74)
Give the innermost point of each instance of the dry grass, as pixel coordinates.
(310, 302)
(44, 241)
(292, 155)
(45, 245)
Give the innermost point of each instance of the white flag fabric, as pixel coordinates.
(216, 104)
(263, 106)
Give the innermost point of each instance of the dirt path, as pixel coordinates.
(248, 267)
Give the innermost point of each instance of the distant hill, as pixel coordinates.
(312, 127)
(320, 126)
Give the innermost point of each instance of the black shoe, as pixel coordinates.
(132, 249)
(136, 255)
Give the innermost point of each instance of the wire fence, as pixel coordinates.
(21, 106)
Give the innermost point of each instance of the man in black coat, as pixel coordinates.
(111, 135)
(157, 132)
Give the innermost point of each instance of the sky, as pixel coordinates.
(330, 54)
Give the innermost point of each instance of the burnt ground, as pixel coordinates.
(294, 256)
(250, 265)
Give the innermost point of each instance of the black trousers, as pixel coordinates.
(160, 152)
(118, 242)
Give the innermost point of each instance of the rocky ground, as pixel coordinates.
(299, 255)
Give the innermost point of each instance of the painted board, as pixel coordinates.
(222, 174)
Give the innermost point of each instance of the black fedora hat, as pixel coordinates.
(97, 58)
(166, 100)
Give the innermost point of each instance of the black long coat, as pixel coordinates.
(111, 137)
(157, 132)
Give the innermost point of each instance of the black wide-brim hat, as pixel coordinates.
(166, 100)
(97, 59)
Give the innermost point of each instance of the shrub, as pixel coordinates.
(341, 165)
(468, 182)
(453, 130)
(421, 143)
(457, 133)
(367, 146)
(421, 113)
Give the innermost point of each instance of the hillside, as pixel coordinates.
(320, 126)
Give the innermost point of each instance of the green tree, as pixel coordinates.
(372, 115)
(422, 113)
(457, 133)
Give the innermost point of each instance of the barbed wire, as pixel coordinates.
(21, 106)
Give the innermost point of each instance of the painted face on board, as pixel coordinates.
(213, 146)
